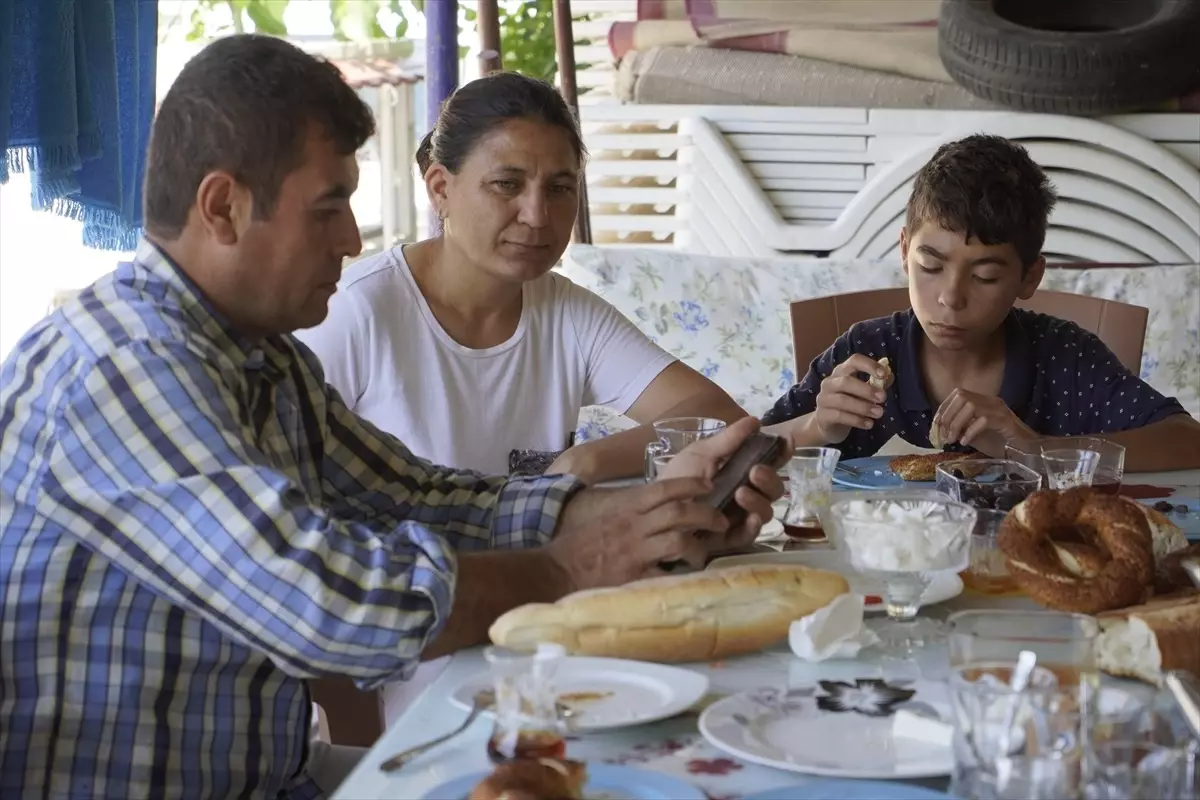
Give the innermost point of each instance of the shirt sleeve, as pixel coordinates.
(1117, 400)
(156, 469)
(621, 360)
(801, 399)
(341, 344)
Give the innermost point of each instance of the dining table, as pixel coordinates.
(675, 746)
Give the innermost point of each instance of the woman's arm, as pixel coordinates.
(677, 391)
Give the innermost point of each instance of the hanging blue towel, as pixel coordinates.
(77, 84)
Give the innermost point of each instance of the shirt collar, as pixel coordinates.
(174, 284)
(1018, 377)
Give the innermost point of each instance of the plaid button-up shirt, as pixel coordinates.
(191, 524)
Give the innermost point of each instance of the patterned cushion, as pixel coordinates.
(728, 317)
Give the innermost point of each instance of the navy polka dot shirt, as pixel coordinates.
(1058, 378)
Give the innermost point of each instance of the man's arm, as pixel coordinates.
(1169, 444)
(677, 391)
(154, 470)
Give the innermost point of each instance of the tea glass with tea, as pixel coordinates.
(527, 718)
(988, 570)
(810, 487)
(674, 434)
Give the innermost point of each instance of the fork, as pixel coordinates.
(479, 703)
(851, 471)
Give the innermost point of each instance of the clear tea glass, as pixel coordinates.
(1069, 468)
(810, 487)
(988, 571)
(1110, 471)
(676, 433)
(527, 724)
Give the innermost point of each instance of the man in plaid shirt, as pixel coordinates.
(193, 524)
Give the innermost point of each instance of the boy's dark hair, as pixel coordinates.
(244, 104)
(986, 187)
(479, 106)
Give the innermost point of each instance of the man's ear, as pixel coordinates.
(1032, 278)
(904, 248)
(437, 185)
(223, 206)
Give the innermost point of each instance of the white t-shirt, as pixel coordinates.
(386, 354)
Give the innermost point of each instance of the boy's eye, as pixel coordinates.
(986, 280)
(930, 270)
(505, 185)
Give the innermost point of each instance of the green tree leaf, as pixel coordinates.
(356, 19)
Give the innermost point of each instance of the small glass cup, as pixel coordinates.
(902, 540)
(1110, 472)
(1064, 643)
(527, 724)
(657, 465)
(988, 571)
(1138, 770)
(1014, 745)
(676, 433)
(994, 483)
(1068, 468)
(810, 487)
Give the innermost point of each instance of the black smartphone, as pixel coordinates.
(761, 448)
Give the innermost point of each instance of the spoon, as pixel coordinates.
(1187, 699)
(1192, 567)
(1018, 682)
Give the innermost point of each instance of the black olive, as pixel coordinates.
(1181, 508)
(1163, 505)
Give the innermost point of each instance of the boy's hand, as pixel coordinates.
(846, 401)
(980, 421)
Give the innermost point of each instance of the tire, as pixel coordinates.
(1078, 57)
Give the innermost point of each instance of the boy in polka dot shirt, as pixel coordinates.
(964, 359)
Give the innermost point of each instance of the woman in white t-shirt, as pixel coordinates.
(466, 346)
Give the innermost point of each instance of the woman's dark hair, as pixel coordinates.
(244, 104)
(479, 106)
(987, 187)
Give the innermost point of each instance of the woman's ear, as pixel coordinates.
(437, 185)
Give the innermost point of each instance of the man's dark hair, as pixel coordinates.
(479, 106)
(244, 104)
(986, 187)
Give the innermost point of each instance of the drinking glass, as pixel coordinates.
(1139, 770)
(676, 433)
(902, 539)
(988, 570)
(995, 483)
(1064, 643)
(1068, 468)
(1109, 472)
(1009, 744)
(527, 723)
(810, 486)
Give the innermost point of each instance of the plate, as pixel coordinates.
(873, 474)
(771, 531)
(850, 790)
(604, 783)
(839, 729)
(612, 692)
(944, 586)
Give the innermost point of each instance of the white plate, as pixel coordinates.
(771, 531)
(839, 729)
(629, 692)
(944, 586)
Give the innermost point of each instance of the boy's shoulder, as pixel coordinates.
(884, 333)
(1047, 332)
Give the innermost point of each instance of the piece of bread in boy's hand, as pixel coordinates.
(935, 436)
(888, 378)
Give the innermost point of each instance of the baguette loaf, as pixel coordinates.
(677, 618)
(1145, 641)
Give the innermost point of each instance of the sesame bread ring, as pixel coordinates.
(1079, 550)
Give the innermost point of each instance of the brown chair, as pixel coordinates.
(355, 717)
(818, 322)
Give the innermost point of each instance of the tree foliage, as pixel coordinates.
(526, 27)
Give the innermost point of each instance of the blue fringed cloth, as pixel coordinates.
(77, 95)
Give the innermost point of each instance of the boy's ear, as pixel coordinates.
(904, 248)
(1032, 278)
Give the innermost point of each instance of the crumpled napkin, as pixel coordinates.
(833, 631)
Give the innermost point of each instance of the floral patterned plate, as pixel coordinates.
(838, 729)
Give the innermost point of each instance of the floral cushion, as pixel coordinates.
(728, 317)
